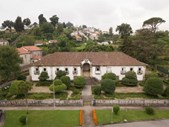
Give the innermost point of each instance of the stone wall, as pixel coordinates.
(49, 102)
(133, 102)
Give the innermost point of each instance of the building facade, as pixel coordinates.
(29, 54)
(88, 64)
(4, 42)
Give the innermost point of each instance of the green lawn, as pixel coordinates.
(104, 116)
(48, 118)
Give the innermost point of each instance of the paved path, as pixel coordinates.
(158, 123)
(137, 89)
(40, 89)
(88, 119)
(87, 90)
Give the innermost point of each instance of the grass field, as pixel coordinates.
(106, 116)
(48, 118)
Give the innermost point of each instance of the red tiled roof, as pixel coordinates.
(96, 58)
(28, 49)
(32, 48)
(22, 51)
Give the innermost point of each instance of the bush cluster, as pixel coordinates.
(130, 79)
(116, 109)
(108, 86)
(79, 82)
(149, 110)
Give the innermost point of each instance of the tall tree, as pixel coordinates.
(153, 23)
(54, 20)
(27, 21)
(18, 25)
(8, 24)
(124, 30)
(9, 62)
(42, 19)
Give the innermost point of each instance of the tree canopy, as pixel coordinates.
(9, 62)
(124, 30)
(153, 23)
(18, 25)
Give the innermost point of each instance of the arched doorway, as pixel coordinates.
(86, 70)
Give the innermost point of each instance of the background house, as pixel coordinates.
(4, 42)
(88, 64)
(29, 54)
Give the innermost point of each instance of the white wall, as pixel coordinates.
(52, 71)
(117, 70)
(26, 59)
(103, 69)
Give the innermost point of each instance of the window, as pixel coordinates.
(44, 69)
(139, 72)
(123, 71)
(97, 68)
(131, 69)
(75, 71)
(57, 69)
(66, 70)
(36, 72)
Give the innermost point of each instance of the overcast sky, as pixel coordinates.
(101, 14)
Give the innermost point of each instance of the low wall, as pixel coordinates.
(41, 102)
(133, 102)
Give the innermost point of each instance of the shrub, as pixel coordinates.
(149, 110)
(22, 120)
(166, 92)
(109, 76)
(76, 91)
(66, 80)
(130, 79)
(43, 76)
(79, 82)
(58, 88)
(21, 77)
(58, 82)
(154, 86)
(59, 74)
(96, 90)
(116, 109)
(108, 86)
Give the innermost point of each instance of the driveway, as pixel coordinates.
(159, 123)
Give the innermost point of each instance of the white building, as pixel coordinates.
(29, 54)
(88, 64)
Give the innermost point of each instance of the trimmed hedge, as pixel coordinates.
(154, 86)
(111, 76)
(79, 82)
(96, 90)
(108, 86)
(130, 79)
(66, 80)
